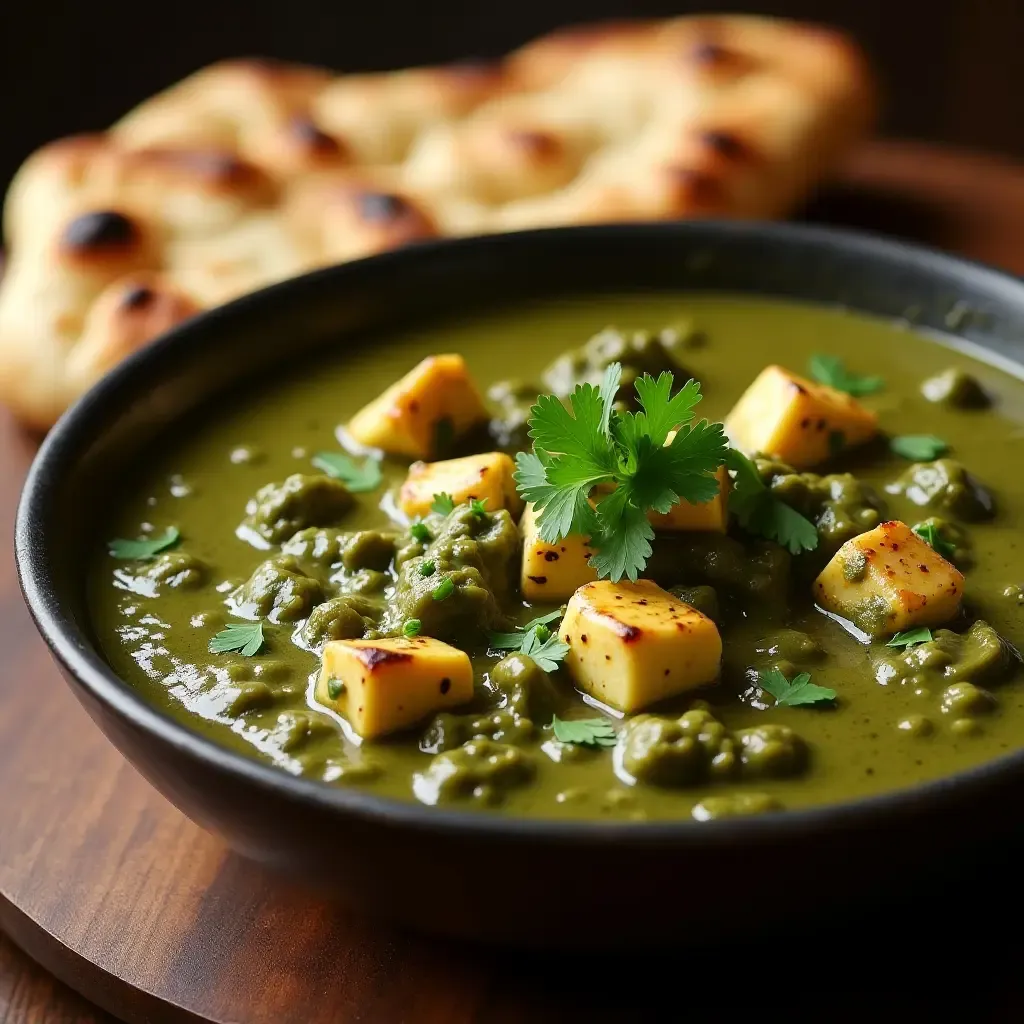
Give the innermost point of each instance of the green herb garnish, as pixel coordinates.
(544, 647)
(918, 447)
(357, 477)
(478, 506)
(514, 641)
(910, 637)
(762, 513)
(790, 694)
(829, 370)
(929, 533)
(444, 589)
(335, 688)
(584, 732)
(427, 568)
(244, 637)
(590, 445)
(412, 627)
(443, 504)
(144, 548)
(418, 531)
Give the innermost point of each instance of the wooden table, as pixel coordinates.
(127, 902)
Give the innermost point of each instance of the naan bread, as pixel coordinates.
(249, 172)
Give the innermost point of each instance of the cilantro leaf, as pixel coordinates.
(584, 732)
(589, 444)
(514, 641)
(789, 694)
(831, 371)
(443, 504)
(412, 627)
(145, 547)
(918, 447)
(544, 647)
(244, 637)
(763, 514)
(419, 531)
(478, 506)
(357, 477)
(929, 533)
(910, 637)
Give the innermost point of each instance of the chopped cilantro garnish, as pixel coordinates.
(443, 504)
(427, 568)
(789, 694)
(357, 477)
(418, 531)
(478, 506)
(584, 732)
(919, 447)
(514, 641)
(244, 637)
(929, 533)
(412, 627)
(444, 589)
(544, 647)
(910, 637)
(335, 688)
(762, 513)
(145, 547)
(829, 370)
(589, 444)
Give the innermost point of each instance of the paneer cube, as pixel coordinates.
(712, 515)
(434, 401)
(552, 572)
(633, 644)
(887, 580)
(796, 420)
(486, 477)
(382, 686)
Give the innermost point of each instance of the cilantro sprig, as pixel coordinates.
(911, 637)
(357, 477)
(514, 641)
(790, 694)
(443, 504)
(831, 371)
(545, 648)
(144, 548)
(590, 446)
(762, 513)
(930, 534)
(244, 637)
(584, 732)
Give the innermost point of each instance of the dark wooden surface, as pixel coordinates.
(130, 904)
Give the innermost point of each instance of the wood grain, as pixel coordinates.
(127, 902)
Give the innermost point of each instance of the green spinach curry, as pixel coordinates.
(796, 579)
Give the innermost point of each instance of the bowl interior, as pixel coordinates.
(220, 350)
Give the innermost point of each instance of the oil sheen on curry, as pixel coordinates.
(639, 557)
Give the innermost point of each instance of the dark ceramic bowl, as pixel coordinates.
(471, 873)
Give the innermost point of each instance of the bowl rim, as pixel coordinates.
(85, 668)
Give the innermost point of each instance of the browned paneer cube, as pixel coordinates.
(436, 397)
(486, 477)
(796, 420)
(888, 580)
(382, 686)
(633, 644)
(552, 572)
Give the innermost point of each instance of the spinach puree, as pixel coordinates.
(265, 537)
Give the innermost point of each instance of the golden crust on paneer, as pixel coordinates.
(383, 686)
(888, 580)
(437, 397)
(487, 477)
(796, 420)
(634, 644)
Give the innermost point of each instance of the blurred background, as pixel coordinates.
(953, 70)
